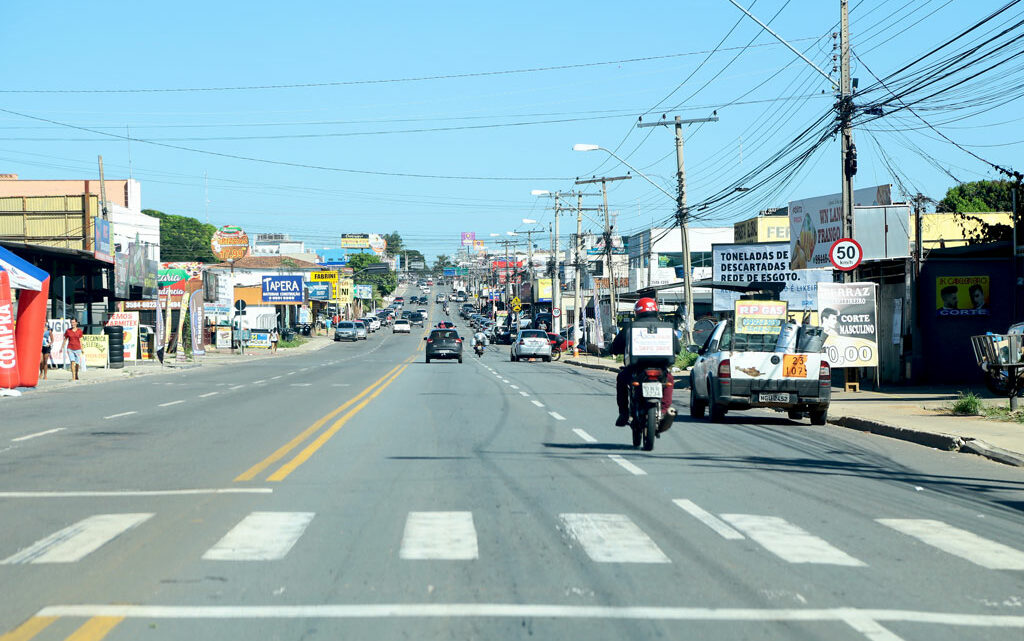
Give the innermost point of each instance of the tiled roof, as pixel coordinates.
(270, 262)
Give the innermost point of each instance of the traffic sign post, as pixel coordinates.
(556, 312)
(845, 254)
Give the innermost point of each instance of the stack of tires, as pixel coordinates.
(115, 345)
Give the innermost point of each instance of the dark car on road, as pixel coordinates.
(416, 318)
(444, 343)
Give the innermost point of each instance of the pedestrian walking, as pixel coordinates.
(44, 362)
(73, 345)
(274, 337)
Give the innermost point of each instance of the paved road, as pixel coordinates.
(357, 492)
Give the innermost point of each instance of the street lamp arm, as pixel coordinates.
(638, 172)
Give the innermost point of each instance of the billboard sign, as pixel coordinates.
(468, 238)
(543, 290)
(760, 316)
(320, 291)
(101, 241)
(129, 322)
(848, 314)
(229, 243)
(282, 289)
(345, 290)
(378, 244)
(764, 262)
(449, 271)
(816, 223)
(355, 241)
(962, 296)
(364, 291)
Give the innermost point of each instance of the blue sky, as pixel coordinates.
(516, 127)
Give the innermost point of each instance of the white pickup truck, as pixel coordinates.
(741, 371)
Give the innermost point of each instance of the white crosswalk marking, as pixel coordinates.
(612, 538)
(439, 535)
(261, 536)
(76, 541)
(966, 545)
(708, 519)
(789, 542)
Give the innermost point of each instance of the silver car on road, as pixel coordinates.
(531, 343)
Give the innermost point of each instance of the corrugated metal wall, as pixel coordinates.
(53, 221)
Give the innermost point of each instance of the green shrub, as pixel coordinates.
(967, 404)
(685, 359)
(298, 340)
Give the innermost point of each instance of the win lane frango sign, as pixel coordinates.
(282, 289)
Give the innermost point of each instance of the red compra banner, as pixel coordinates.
(9, 375)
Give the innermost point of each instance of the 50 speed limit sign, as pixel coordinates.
(845, 254)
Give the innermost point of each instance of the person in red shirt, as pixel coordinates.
(73, 344)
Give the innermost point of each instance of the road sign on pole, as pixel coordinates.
(556, 312)
(845, 254)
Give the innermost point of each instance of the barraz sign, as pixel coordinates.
(282, 289)
(763, 263)
(847, 313)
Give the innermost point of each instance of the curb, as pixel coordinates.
(946, 442)
(597, 366)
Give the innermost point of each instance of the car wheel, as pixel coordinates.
(460, 359)
(716, 411)
(512, 357)
(547, 359)
(795, 415)
(428, 359)
(697, 406)
(819, 417)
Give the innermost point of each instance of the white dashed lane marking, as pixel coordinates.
(537, 403)
(168, 404)
(626, 465)
(556, 416)
(708, 519)
(120, 415)
(208, 394)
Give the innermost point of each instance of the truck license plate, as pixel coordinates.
(773, 398)
(652, 390)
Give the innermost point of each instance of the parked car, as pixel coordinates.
(443, 343)
(346, 331)
(502, 335)
(401, 326)
(531, 343)
(361, 331)
(372, 324)
(742, 371)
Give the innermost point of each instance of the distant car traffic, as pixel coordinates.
(361, 330)
(401, 326)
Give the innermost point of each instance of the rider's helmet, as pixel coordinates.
(646, 308)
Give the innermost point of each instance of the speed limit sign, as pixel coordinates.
(845, 254)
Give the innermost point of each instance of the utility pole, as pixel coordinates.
(849, 151)
(604, 180)
(103, 192)
(556, 282)
(682, 215)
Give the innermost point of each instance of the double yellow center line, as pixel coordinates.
(359, 402)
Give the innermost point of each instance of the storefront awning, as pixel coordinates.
(23, 274)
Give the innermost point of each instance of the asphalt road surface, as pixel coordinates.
(357, 492)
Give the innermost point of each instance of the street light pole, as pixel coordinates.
(604, 180)
(556, 281)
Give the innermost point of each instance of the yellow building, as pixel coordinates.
(762, 229)
(951, 230)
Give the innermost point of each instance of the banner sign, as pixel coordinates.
(962, 295)
(847, 313)
(468, 238)
(364, 292)
(345, 288)
(355, 241)
(196, 323)
(101, 241)
(449, 271)
(213, 309)
(320, 291)
(479, 246)
(95, 349)
(764, 262)
(229, 243)
(760, 316)
(129, 322)
(223, 338)
(543, 290)
(326, 276)
(816, 223)
(282, 289)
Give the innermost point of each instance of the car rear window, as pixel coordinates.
(534, 333)
(444, 333)
(345, 325)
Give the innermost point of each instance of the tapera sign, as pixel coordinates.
(282, 289)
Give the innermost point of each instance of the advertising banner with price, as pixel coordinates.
(849, 316)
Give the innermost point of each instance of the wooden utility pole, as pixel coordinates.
(604, 180)
(682, 216)
(849, 150)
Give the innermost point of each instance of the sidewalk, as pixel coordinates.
(61, 378)
(916, 414)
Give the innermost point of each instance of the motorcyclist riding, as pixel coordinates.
(645, 310)
(480, 339)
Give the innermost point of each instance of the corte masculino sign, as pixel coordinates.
(764, 263)
(282, 289)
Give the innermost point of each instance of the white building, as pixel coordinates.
(248, 272)
(128, 225)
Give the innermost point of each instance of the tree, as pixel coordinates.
(183, 238)
(395, 243)
(441, 262)
(383, 284)
(977, 197)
